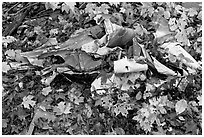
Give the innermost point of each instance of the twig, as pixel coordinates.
(179, 82)
(40, 13)
(12, 7)
(29, 5)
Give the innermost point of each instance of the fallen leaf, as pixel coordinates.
(8, 39)
(46, 91)
(181, 106)
(52, 5)
(71, 5)
(65, 7)
(53, 32)
(11, 53)
(67, 108)
(4, 123)
(20, 84)
(88, 110)
(114, 3)
(200, 100)
(27, 101)
(78, 100)
(139, 95)
(119, 131)
(167, 14)
(122, 108)
(62, 108)
(163, 28)
(38, 30)
(5, 67)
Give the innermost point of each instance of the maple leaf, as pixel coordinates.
(67, 108)
(38, 30)
(106, 101)
(167, 14)
(51, 5)
(8, 39)
(27, 101)
(104, 8)
(191, 126)
(66, 8)
(149, 87)
(122, 108)
(78, 100)
(181, 106)
(71, 6)
(11, 53)
(172, 24)
(46, 91)
(123, 97)
(200, 100)
(53, 32)
(192, 12)
(114, 3)
(62, 108)
(142, 77)
(4, 123)
(5, 67)
(90, 7)
(119, 131)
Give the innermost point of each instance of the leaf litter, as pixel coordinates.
(126, 67)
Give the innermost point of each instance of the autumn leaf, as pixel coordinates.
(163, 28)
(38, 30)
(53, 32)
(67, 108)
(192, 12)
(139, 95)
(27, 101)
(88, 110)
(46, 91)
(114, 3)
(167, 14)
(5, 67)
(11, 53)
(4, 123)
(200, 100)
(181, 106)
(62, 108)
(71, 5)
(122, 108)
(119, 131)
(78, 100)
(66, 8)
(51, 5)
(7, 40)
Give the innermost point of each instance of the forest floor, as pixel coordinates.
(108, 68)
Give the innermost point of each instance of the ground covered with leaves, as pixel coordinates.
(106, 68)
